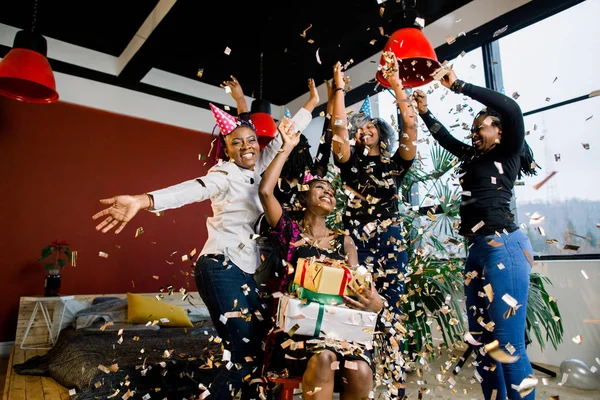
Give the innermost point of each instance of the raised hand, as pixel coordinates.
(420, 99)
(236, 89)
(338, 76)
(122, 209)
(449, 79)
(329, 89)
(290, 136)
(391, 72)
(368, 299)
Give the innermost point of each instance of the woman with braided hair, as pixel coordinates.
(500, 255)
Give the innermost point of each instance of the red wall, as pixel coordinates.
(56, 162)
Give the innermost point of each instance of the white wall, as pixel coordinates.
(579, 305)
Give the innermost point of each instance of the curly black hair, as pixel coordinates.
(388, 137)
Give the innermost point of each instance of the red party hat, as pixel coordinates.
(227, 123)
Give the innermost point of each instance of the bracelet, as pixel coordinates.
(151, 200)
(336, 89)
(457, 86)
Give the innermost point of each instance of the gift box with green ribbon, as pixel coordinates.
(325, 321)
(310, 296)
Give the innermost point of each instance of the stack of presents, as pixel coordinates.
(316, 306)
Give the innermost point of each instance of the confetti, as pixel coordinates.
(590, 117)
(494, 350)
(527, 385)
(200, 72)
(571, 247)
(586, 146)
(508, 299)
(546, 179)
(578, 339)
(227, 52)
(72, 392)
(317, 55)
(312, 392)
(350, 365)
(516, 95)
(103, 254)
(303, 34)
(500, 31)
(501, 266)
(335, 365)
(478, 226)
(499, 167)
(585, 275)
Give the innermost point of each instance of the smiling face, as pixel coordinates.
(367, 135)
(320, 197)
(486, 133)
(242, 147)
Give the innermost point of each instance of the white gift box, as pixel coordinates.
(325, 321)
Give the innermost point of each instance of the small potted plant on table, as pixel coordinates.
(59, 253)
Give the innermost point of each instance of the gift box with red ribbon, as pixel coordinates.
(327, 277)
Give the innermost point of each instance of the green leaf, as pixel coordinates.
(61, 263)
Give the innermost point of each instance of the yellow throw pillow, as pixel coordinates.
(141, 309)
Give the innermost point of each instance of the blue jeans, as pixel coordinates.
(484, 259)
(383, 246)
(220, 286)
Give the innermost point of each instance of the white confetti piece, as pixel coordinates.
(227, 51)
(103, 254)
(578, 339)
(478, 226)
(585, 275)
(508, 299)
(501, 266)
(223, 319)
(499, 167)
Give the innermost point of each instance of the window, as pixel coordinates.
(551, 69)
(555, 59)
(566, 209)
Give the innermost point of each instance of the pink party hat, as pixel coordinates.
(226, 122)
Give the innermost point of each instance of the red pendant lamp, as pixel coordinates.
(25, 72)
(416, 57)
(260, 114)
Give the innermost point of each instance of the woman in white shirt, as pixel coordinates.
(230, 256)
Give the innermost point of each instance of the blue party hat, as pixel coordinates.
(366, 107)
(288, 114)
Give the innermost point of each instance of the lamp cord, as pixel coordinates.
(260, 81)
(34, 19)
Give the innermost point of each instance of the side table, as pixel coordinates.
(41, 304)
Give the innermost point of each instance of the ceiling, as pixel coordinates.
(194, 35)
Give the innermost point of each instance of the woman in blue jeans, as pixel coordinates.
(224, 271)
(372, 172)
(500, 255)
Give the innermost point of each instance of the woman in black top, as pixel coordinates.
(372, 172)
(500, 255)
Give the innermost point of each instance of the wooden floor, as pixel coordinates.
(21, 387)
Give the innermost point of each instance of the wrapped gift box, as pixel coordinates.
(325, 278)
(326, 299)
(318, 320)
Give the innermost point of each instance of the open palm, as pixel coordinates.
(122, 209)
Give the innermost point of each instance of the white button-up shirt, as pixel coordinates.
(233, 192)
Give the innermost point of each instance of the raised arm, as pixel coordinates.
(324, 150)
(271, 205)
(238, 94)
(438, 131)
(408, 137)
(341, 142)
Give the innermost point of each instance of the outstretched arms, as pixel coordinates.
(341, 142)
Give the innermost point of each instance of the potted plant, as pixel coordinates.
(58, 253)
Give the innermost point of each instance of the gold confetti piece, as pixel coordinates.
(478, 226)
(103, 369)
(310, 41)
(510, 348)
(200, 72)
(578, 339)
(139, 231)
(227, 52)
(103, 254)
(489, 292)
(494, 350)
(372, 42)
(74, 258)
(155, 277)
(508, 299)
(184, 257)
(546, 179)
(312, 392)
(571, 247)
(450, 39)
(303, 34)
(204, 394)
